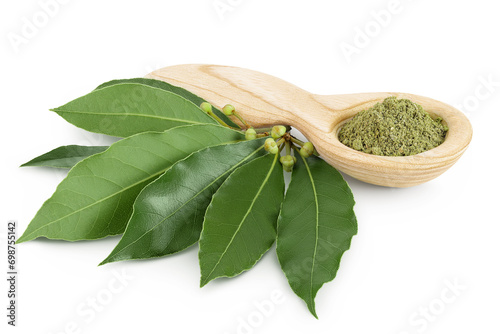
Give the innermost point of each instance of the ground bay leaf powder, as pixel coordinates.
(395, 127)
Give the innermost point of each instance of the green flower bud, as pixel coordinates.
(269, 143)
(278, 131)
(307, 150)
(251, 134)
(287, 161)
(304, 153)
(271, 146)
(206, 107)
(228, 110)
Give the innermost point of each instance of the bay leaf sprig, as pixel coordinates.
(186, 172)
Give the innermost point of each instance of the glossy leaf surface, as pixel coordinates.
(315, 227)
(126, 109)
(240, 223)
(95, 199)
(168, 213)
(171, 88)
(65, 156)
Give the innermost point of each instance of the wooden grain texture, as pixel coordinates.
(264, 100)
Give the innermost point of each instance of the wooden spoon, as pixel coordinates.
(264, 100)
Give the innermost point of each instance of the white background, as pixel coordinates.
(412, 243)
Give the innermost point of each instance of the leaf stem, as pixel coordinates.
(219, 120)
(288, 149)
(238, 116)
(296, 141)
(263, 130)
(281, 147)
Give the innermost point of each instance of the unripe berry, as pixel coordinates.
(307, 150)
(228, 110)
(278, 131)
(271, 146)
(250, 134)
(206, 107)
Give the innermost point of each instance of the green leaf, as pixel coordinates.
(168, 213)
(126, 109)
(315, 227)
(65, 156)
(95, 199)
(240, 223)
(171, 88)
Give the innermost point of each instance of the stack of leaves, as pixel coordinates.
(185, 172)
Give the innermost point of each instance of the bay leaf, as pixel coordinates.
(240, 223)
(168, 213)
(65, 156)
(95, 199)
(171, 88)
(126, 109)
(315, 227)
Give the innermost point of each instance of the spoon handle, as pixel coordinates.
(263, 100)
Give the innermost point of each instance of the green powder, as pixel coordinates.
(395, 127)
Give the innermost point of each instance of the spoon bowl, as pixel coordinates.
(264, 100)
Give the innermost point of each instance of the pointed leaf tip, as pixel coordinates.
(21, 239)
(64, 156)
(128, 108)
(94, 201)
